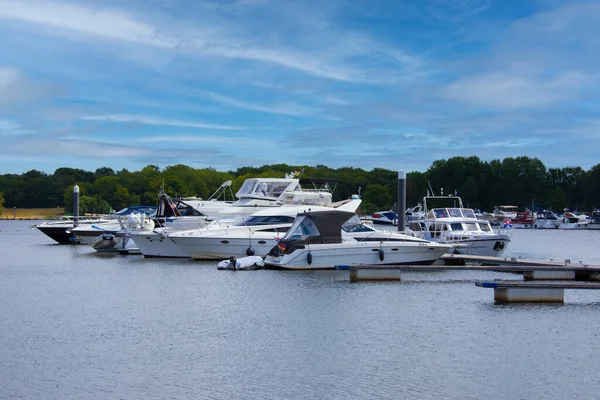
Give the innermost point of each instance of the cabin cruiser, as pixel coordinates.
(460, 227)
(524, 220)
(546, 219)
(257, 193)
(502, 213)
(255, 235)
(316, 240)
(594, 222)
(572, 220)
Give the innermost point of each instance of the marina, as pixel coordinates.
(82, 324)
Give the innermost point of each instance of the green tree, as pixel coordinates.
(1, 203)
(377, 197)
(121, 198)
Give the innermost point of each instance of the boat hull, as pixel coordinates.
(153, 244)
(221, 247)
(328, 256)
(60, 234)
(489, 246)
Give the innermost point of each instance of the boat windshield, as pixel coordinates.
(266, 220)
(265, 188)
(485, 226)
(455, 212)
(440, 213)
(468, 213)
(303, 228)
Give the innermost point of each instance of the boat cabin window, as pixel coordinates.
(456, 227)
(455, 212)
(247, 188)
(440, 213)
(468, 213)
(471, 226)
(485, 226)
(302, 228)
(266, 220)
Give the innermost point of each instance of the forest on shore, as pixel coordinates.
(481, 184)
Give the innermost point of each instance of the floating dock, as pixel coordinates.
(509, 292)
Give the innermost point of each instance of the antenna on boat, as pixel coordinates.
(430, 188)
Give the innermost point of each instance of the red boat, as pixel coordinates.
(524, 219)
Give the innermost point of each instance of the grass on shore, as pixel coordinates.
(32, 213)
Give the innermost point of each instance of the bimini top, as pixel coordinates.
(318, 227)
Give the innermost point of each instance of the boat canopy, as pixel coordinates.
(318, 227)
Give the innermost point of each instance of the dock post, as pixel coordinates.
(401, 201)
(76, 205)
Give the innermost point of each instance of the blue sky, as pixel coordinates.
(391, 84)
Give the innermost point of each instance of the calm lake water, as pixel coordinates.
(80, 325)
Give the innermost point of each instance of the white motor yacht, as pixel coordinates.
(458, 226)
(255, 235)
(316, 240)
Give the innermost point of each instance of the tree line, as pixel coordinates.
(518, 181)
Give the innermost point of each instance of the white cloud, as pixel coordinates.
(90, 21)
(501, 90)
(15, 88)
(332, 55)
(145, 120)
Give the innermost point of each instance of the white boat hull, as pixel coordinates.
(223, 246)
(153, 244)
(489, 246)
(328, 256)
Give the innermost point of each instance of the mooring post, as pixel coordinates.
(76, 205)
(401, 201)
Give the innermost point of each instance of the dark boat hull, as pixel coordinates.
(60, 234)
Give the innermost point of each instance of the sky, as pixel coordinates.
(392, 84)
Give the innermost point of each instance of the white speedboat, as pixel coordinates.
(572, 220)
(546, 220)
(255, 235)
(460, 227)
(316, 240)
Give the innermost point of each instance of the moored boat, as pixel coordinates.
(459, 227)
(316, 240)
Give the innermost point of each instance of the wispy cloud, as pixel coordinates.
(505, 91)
(86, 20)
(284, 109)
(17, 89)
(146, 120)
